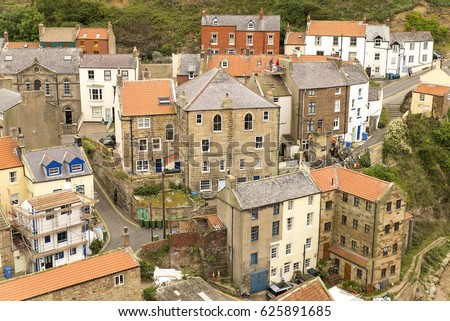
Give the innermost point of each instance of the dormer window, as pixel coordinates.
(251, 25)
(76, 168)
(163, 100)
(224, 63)
(191, 75)
(54, 171)
(377, 42)
(74, 163)
(215, 22)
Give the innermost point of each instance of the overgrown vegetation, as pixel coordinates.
(88, 147)
(147, 269)
(416, 20)
(96, 246)
(384, 118)
(149, 294)
(433, 258)
(148, 190)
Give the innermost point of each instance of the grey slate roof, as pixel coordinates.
(8, 99)
(33, 160)
(208, 91)
(374, 93)
(265, 82)
(373, 31)
(269, 23)
(275, 189)
(51, 58)
(315, 75)
(192, 289)
(355, 74)
(125, 61)
(402, 37)
(189, 62)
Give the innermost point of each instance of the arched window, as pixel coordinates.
(251, 25)
(248, 122)
(37, 84)
(66, 87)
(217, 123)
(169, 132)
(215, 22)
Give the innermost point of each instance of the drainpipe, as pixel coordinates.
(131, 145)
(303, 115)
(373, 241)
(345, 110)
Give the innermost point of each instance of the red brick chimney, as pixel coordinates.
(261, 14)
(308, 18)
(119, 82)
(125, 237)
(365, 19)
(288, 28)
(414, 29)
(204, 12)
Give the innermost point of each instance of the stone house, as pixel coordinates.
(430, 100)
(40, 131)
(51, 230)
(273, 228)
(145, 125)
(224, 127)
(320, 93)
(361, 226)
(232, 34)
(111, 276)
(53, 71)
(294, 42)
(13, 188)
(185, 67)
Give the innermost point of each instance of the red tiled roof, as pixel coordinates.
(214, 220)
(337, 28)
(8, 156)
(313, 290)
(408, 216)
(348, 181)
(434, 90)
(295, 38)
(91, 33)
(21, 45)
(349, 255)
(140, 98)
(32, 285)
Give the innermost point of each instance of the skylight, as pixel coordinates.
(8, 58)
(67, 58)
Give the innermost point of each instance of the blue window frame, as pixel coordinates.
(254, 258)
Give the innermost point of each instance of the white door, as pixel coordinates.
(108, 114)
(221, 185)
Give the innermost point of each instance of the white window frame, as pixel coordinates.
(289, 223)
(14, 199)
(258, 163)
(97, 112)
(259, 142)
(251, 25)
(424, 57)
(377, 42)
(337, 91)
(287, 267)
(143, 142)
(274, 252)
(307, 262)
(91, 75)
(205, 143)
(242, 164)
(125, 75)
(13, 178)
(214, 38)
(312, 92)
(249, 39)
(337, 105)
(143, 123)
(377, 56)
(318, 40)
(231, 38)
(205, 185)
(119, 280)
(76, 168)
(198, 119)
(310, 200)
(224, 63)
(206, 167)
(142, 165)
(411, 58)
(266, 116)
(290, 205)
(336, 123)
(47, 88)
(52, 172)
(95, 94)
(288, 249)
(412, 45)
(156, 144)
(353, 41)
(222, 165)
(107, 75)
(270, 39)
(309, 219)
(308, 243)
(422, 97)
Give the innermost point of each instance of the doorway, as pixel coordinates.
(347, 272)
(68, 115)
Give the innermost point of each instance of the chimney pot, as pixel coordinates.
(231, 181)
(5, 36)
(308, 18)
(261, 14)
(204, 12)
(125, 237)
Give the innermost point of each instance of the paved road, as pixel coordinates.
(115, 222)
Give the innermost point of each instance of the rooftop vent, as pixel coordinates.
(8, 58)
(67, 58)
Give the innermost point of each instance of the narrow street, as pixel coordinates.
(115, 222)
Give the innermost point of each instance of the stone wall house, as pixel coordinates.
(53, 71)
(146, 126)
(273, 228)
(232, 34)
(185, 67)
(224, 127)
(361, 227)
(112, 276)
(430, 100)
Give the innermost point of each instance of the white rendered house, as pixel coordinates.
(98, 84)
(51, 230)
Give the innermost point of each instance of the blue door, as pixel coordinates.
(358, 134)
(158, 165)
(258, 281)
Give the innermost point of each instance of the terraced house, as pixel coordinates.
(364, 228)
(224, 127)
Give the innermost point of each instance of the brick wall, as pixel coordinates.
(153, 246)
(102, 289)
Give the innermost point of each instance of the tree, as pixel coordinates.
(21, 23)
(60, 12)
(415, 19)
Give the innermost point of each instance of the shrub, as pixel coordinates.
(149, 294)
(96, 246)
(384, 118)
(147, 269)
(88, 147)
(148, 190)
(364, 160)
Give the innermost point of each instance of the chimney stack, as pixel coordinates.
(414, 29)
(230, 182)
(261, 14)
(41, 30)
(388, 21)
(119, 78)
(288, 28)
(365, 19)
(227, 102)
(5, 36)
(182, 99)
(204, 12)
(308, 18)
(125, 237)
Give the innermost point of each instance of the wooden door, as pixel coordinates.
(325, 252)
(347, 272)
